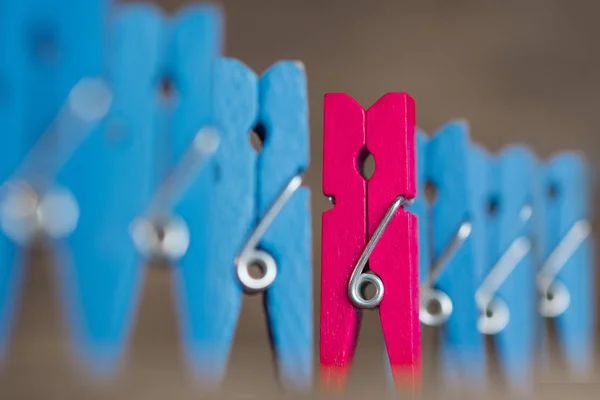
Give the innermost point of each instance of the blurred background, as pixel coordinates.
(519, 71)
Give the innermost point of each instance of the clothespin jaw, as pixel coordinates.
(184, 198)
(420, 206)
(110, 175)
(48, 47)
(284, 157)
(565, 279)
(448, 280)
(195, 44)
(504, 298)
(480, 163)
(387, 131)
(209, 294)
(344, 230)
(391, 141)
(249, 203)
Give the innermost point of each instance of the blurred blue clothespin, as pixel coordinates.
(110, 176)
(174, 220)
(51, 101)
(507, 199)
(175, 224)
(447, 250)
(253, 212)
(565, 279)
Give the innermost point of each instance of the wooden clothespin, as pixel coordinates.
(368, 223)
(565, 278)
(111, 176)
(507, 199)
(250, 210)
(51, 102)
(448, 251)
(173, 223)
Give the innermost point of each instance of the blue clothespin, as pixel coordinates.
(180, 205)
(48, 49)
(447, 250)
(110, 177)
(507, 200)
(252, 211)
(565, 279)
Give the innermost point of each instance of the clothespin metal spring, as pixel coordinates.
(160, 234)
(359, 278)
(30, 203)
(431, 296)
(555, 297)
(495, 314)
(251, 255)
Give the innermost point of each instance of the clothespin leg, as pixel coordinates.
(343, 235)
(219, 210)
(99, 267)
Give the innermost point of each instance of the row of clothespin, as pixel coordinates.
(508, 255)
(502, 242)
(125, 138)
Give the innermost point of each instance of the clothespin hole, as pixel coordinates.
(257, 138)
(366, 164)
(167, 89)
(553, 190)
(493, 205)
(257, 270)
(430, 191)
(160, 232)
(43, 44)
(368, 290)
(434, 307)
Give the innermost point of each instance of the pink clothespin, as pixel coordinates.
(368, 223)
